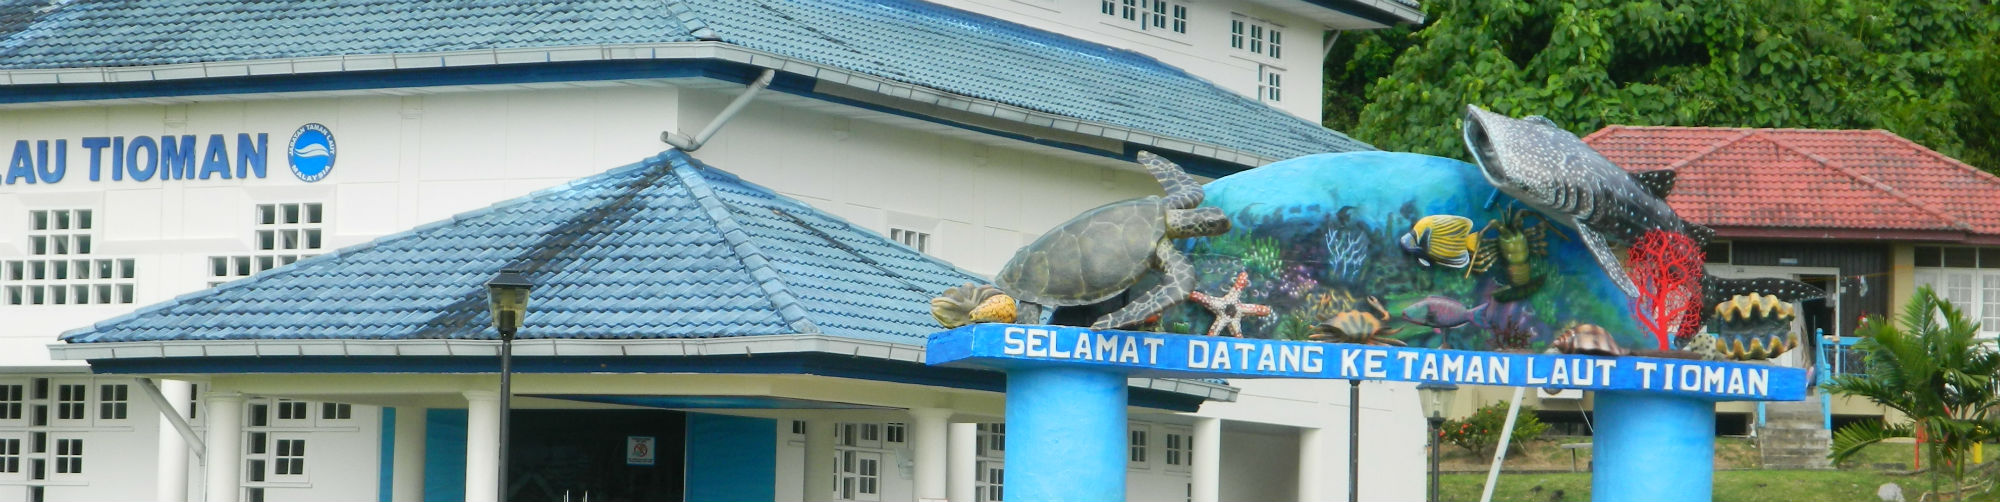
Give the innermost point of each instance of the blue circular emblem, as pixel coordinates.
(312, 152)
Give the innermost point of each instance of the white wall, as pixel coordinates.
(1203, 51)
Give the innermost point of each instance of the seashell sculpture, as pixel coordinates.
(972, 303)
(1754, 326)
(1588, 339)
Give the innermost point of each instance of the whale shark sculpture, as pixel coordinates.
(1554, 172)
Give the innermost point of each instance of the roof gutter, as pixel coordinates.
(433, 347)
(32, 88)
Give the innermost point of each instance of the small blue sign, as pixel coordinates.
(1010, 346)
(312, 152)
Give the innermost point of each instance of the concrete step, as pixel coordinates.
(1796, 461)
(1794, 435)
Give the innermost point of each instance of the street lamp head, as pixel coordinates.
(507, 300)
(1435, 398)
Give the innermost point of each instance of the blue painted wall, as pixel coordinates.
(730, 459)
(444, 455)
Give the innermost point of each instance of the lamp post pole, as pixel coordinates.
(506, 406)
(507, 299)
(1354, 441)
(1435, 397)
(1437, 427)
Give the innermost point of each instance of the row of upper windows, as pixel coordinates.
(1247, 34)
(60, 270)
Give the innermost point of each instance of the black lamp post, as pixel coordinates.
(507, 300)
(1435, 398)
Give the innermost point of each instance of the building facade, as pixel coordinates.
(212, 144)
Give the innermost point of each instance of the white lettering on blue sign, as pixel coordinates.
(168, 157)
(1184, 356)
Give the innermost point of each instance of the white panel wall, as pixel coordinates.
(1203, 51)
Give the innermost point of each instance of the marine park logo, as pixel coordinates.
(312, 152)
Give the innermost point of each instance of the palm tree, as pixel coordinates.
(1927, 365)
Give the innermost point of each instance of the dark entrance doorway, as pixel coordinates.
(577, 452)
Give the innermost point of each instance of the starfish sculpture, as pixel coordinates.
(1229, 309)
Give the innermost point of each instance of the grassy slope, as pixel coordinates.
(1857, 482)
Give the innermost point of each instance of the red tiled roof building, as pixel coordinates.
(1812, 184)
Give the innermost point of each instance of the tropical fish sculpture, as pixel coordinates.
(1442, 238)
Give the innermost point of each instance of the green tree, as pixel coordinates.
(1927, 365)
(1924, 69)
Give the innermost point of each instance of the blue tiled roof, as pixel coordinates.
(903, 40)
(667, 248)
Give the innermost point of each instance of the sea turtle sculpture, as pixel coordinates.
(1104, 251)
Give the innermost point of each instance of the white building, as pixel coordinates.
(161, 148)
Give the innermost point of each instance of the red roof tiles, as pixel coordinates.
(1805, 183)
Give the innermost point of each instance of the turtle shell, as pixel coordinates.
(1089, 258)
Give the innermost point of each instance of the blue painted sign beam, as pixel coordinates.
(1011, 347)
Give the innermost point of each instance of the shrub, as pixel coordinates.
(1479, 433)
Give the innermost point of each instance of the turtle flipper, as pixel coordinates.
(1176, 279)
(1182, 191)
(1027, 313)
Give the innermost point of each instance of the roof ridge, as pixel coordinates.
(1604, 131)
(689, 21)
(1977, 172)
(768, 278)
(1951, 221)
(1676, 165)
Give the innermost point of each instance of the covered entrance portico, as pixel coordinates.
(667, 291)
(714, 422)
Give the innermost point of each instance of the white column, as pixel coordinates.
(927, 427)
(1312, 466)
(411, 427)
(819, 460)
(225, 445)
(482, 446)
(1207, 459)
(172, 473)
(963, 482)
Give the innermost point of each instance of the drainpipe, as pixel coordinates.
(690, 144)
(180, 424)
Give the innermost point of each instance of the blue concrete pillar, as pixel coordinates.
(1066, 435)
(1652, 447)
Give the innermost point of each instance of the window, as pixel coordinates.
(111, 401)
(62, 269)
(71, 401)
(860, 475)
(289, 458)
(284, 233)
(1136, 455)
(919, 241)
(893, 433)
(1967, 277)
(69, 456)
(11, 398)
(291, 410)
(1270, 83)
(798, 427)
(1178, 451)
(859, 435)
(335, 411)
(1256, 36)
(992, 476)
(992, 440)
(1148, 15)
(10, 455)
(989, 470)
